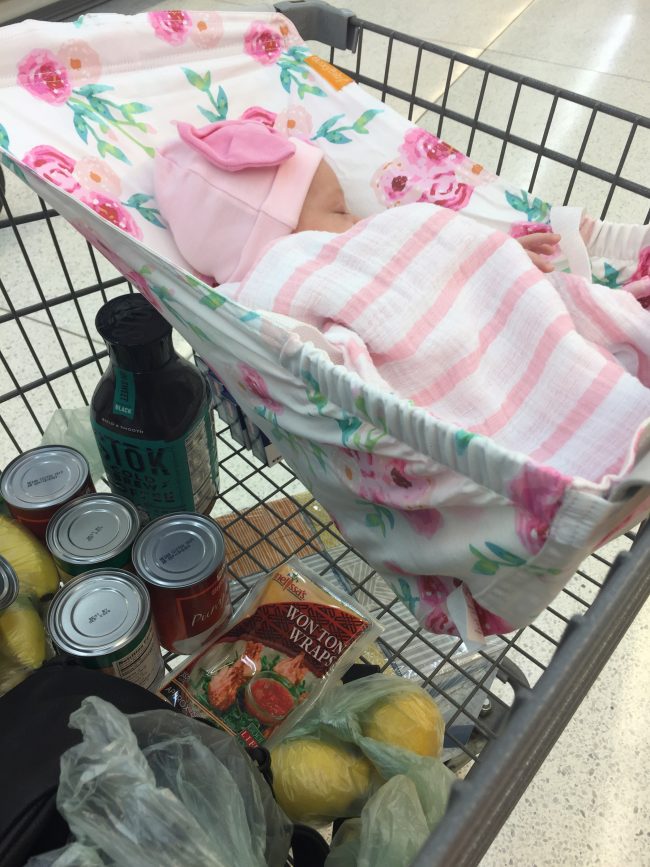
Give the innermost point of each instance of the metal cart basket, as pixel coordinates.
(510, 708)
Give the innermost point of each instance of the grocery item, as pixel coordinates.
(33, 565)
(38, 482)
(92, 532)
(22, 636)
(181, 558)
(103, 620)
(151, 414)
(317, 781)
(289, 639)
(408, 719)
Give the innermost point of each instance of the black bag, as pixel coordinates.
(34, 733)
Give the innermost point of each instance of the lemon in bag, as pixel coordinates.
(316, 782)
(31, 561)
(409, 719)
(22, 637)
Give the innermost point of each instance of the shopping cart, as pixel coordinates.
(512, 706)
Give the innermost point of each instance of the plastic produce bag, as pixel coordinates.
(390, 722)
(393, 826)
(71, 427)
(158, 789)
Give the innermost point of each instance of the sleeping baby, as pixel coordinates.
(230, 189)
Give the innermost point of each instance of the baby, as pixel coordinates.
(255, 186)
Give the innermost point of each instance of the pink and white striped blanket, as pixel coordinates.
(452, 316)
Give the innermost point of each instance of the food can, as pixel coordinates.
(92, 532)
(103, 620)
(182, 559)
(8, 584)
(37, 483)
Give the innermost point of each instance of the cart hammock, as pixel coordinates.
(474, 428)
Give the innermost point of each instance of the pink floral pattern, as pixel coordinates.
(171, 25)
(263, 43)
(45, 77)
(294, 121)
(111, 210)
(253, 382)
(54, 166)
(426, 153)
(643, 265)
(81, 61)
(537, 493)
(446, 190)
(286, 29)
(396, 183)
(206, 30)
(95, 174)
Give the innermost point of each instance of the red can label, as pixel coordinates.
(187, 616)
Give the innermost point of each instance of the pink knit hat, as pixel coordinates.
(228, 189)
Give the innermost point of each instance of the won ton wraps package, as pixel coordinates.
(290, 637)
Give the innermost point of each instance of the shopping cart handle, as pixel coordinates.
(317, 20)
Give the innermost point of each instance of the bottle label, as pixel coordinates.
(124, 395)
(161, 476)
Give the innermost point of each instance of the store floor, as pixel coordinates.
(588, 804)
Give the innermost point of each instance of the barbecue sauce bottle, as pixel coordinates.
(152, 414)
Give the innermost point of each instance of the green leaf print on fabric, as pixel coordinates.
(314, 393)
(95, 115)
(4, 159)
(378, 517)
(137, 201)
(328, 131)
(610, 277)
(462, 439)
(204, 84)
(535, 209)
(294, 72)
(212, 300)
(4, 138)
(487, 565)
(405, 595)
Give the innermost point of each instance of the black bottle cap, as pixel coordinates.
(138, 337)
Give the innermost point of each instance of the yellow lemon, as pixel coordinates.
(22, 637)
(34, 568)
(408, 719)
(315, 781)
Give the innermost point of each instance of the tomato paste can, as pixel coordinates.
(103, 620)
(182, 559)
(37, 483)
(92, 532)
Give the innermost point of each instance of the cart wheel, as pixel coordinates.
(498, 716)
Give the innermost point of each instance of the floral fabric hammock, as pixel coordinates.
(474, 536)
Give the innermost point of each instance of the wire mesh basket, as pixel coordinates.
(496, 701)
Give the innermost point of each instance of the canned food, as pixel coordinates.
(182, 559)
(103, 620)
(92, 532)
(8, 584)
(37, 483)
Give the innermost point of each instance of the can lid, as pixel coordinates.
(8, 584)
(98, 612)
(93, 528)
(44, 477)
(178, 550)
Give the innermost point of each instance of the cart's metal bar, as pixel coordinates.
(619, 169)
(22, 219)
(502, 72)
(48, 378)
(547, 129)
(508, 765)
(477, 112)
(506, 135)
(526, 144)
(61, 299)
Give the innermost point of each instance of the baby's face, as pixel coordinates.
(324, 209)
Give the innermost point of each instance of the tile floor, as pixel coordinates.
(588, 804)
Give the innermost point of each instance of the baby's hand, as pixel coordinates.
(538, 245)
